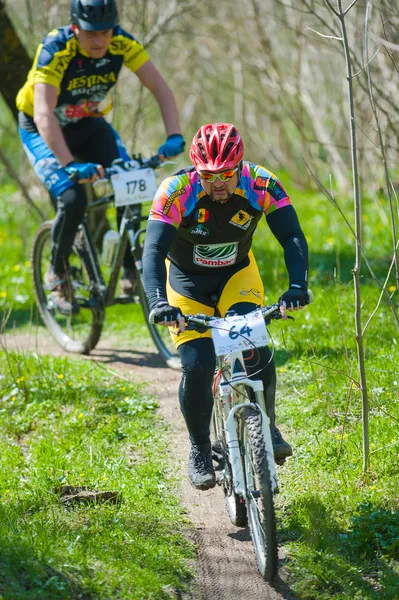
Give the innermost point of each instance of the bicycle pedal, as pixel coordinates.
(219, 460)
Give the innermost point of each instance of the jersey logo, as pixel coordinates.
(202, 215)
(241, 219)
(102, 62)
(276, 190)
(170, 201)
(261, 183)
(89, 81)
(199, 230)
(251, 292)
(215, 255)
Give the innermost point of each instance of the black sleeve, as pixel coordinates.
(285, 227)
(158, 239)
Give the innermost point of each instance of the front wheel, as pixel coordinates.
(160, 335)
(259, 494)
(79, 331)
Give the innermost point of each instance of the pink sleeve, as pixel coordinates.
(167, 204)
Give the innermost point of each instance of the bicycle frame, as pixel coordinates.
(231, 418)
(129, 233)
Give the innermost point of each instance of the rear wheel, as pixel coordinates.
(160, 335)
(79, 331)
(259, 494)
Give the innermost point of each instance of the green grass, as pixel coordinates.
(66, 422)
(339, 526)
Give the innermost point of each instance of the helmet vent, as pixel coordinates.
(203, 153)
(227, 150)
(214, 150)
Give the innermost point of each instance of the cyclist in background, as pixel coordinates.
(198, 258)
(62, 126)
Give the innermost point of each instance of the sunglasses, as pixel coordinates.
(225, 176)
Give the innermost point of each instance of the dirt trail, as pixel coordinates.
(226, 565)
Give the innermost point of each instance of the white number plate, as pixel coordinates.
(239, 333)
(134, 187)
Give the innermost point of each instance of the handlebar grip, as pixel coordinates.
(73, 175)
(153, 162)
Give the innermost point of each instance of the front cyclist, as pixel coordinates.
(61, 120)
(198, 258)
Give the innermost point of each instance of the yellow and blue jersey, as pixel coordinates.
(83, 83)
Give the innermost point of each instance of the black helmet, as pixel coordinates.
(94, 15)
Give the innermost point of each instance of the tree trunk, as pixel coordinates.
(14, 61)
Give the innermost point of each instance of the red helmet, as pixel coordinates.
(216, 146)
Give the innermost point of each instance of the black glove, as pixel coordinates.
(164, 313)
(295, 296)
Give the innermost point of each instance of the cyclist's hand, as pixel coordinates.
(173, 146)
(295, 298)
(84, 172)
(167, 315)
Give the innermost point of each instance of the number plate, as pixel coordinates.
(239, 333)
(134, 187)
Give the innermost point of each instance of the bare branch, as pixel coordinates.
(382, 293)
(172, 13)
(329, 37)
(384, 158)
(349, 7)
(332, 8)
(367, 63)
(385, 43)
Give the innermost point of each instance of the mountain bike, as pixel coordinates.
(132, 183)
(242, 444)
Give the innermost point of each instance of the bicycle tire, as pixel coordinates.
(259, 494)
(49, 316)
(159, 334)
(235, 504)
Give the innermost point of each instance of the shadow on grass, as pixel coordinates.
(24, 576)
(128, 357)
(327, 561)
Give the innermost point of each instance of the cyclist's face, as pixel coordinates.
(95, 43)
(220, 191)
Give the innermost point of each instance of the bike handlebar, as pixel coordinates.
(137, 162)
(119, 165)
(205, 321)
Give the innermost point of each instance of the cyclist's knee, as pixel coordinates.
(198, 359)
(72, 202)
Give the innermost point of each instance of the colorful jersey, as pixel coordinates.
(83, 83)
(211, 234)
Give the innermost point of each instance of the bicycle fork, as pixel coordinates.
(232, 423)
